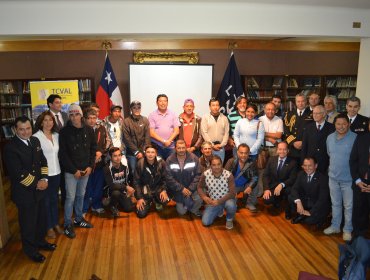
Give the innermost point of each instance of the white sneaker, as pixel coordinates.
(330, 230)
(229, 224)
(347, 236)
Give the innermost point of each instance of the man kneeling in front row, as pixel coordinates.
(182, 177)
(150, 182)
(218, 193)
(245, 174)
(310, 195)
(116, 177)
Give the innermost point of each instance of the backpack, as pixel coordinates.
(354, 258)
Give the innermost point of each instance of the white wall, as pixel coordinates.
(363, 77)
(180, 18)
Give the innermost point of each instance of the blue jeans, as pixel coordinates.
(51, 201)
(341, 192)
(220, 153)
(181, 208)
(211, 212)
(252, 197)
(94, 190)
(75, 191)
(131, 160)
(164, 152)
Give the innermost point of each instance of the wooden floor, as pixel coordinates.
(165, 246)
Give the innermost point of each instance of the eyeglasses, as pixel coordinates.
(136, 108)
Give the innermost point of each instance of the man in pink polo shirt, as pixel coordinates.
(164, 127)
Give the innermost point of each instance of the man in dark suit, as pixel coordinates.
(310, 194)
(360, 171)
(294, 124)
(54, 102)
(28, 172)
(279, 177)
(314, 139)
(359, 123)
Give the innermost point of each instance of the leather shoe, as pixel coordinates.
(38, 258)
(48, 247)
(288, 215)
(298, 219)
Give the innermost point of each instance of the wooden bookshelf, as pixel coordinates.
(15, 101)
(260, 88)
(342, 87)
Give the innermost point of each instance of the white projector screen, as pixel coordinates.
(177, 81)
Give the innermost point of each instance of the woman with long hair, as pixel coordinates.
(49, 139)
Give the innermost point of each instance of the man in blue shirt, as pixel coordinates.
(245, 174)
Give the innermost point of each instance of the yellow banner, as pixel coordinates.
(41, 90)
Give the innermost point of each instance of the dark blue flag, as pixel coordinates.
(231, 87)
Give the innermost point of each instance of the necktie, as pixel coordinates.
(300, 113)
(350, 120)
(327, 117)
(59, 124)
(309, 179)
(318, 127)
(29, 143)
(280, 166)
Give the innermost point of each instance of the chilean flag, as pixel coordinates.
(108, 93)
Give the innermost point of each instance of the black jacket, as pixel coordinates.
(151, 177)
(77, 148)
(26, 166)
(114, 176)
(287, 174)
(249, 170)
(359, 159)
(313, 195)
(294, 126)
(360, 125)
(314, 144)
(135, 134)
(188, 177)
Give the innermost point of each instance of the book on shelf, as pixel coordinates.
(346, 93)
(27, 111)
(252, 83)
(9, 100)
(9, 131)
(84, 85)
(6, 87)
(331, 83)
(277, 82)
(311, 82)
(26, 87)
(9, 114)
(292, 83)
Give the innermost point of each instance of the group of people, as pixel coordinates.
(318, 161)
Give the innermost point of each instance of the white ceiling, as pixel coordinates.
(355, 4)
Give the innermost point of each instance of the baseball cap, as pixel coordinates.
(135, 103)
(113, 107)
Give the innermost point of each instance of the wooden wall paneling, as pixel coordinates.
(175, 44)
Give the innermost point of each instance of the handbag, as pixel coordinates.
(263, 154)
